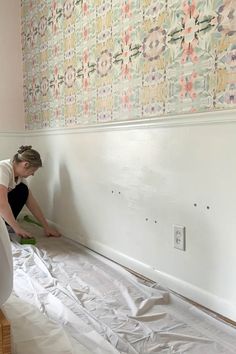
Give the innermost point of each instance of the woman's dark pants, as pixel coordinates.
(17, 198)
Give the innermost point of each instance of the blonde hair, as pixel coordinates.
(25, 153)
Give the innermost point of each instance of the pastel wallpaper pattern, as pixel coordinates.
(95, 61)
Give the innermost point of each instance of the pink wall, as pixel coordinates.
(11, 83)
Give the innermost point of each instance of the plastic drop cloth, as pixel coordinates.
(67, 299)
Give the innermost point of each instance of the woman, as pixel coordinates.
(14, 191)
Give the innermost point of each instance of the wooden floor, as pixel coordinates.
(5, 335)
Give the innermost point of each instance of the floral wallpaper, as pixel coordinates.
(95, 61)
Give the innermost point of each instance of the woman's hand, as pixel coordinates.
(21, 232)
(50, 232)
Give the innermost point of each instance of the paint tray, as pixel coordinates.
(27, 241)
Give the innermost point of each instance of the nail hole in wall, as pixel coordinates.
(195, 204)
(208, 207)
(146, 219)
(155, 221)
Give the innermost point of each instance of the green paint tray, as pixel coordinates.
(27, 241)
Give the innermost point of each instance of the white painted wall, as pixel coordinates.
(160, 173)
(11, 83)
(9, 144)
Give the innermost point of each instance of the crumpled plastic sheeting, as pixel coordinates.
(34, 333)
(106, 309)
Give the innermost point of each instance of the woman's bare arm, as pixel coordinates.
(6, 213)
(34, 208)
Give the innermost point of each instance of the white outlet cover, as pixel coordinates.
(179, 237)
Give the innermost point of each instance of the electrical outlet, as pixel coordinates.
(179, 237)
